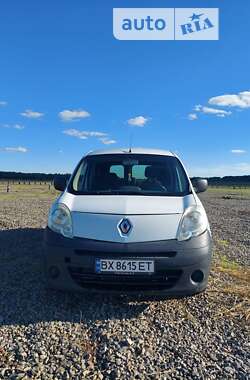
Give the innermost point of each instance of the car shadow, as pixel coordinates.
(24, 298)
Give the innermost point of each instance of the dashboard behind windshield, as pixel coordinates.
(130, 174)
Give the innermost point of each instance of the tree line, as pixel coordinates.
(243, 180)
(18, 176)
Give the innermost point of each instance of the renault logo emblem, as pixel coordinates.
(125, 226)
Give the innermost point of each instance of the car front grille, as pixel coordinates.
(121, 282)
(83, 252)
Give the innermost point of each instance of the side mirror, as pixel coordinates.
(60, 182)
(199, 184)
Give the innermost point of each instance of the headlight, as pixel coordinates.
(193, 223)
(60, 220)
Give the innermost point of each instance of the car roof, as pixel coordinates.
(132, 151)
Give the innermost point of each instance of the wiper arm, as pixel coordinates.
(118, 192)
(133, 190)
(130, 189)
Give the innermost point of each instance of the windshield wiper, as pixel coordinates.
(117, 192)
(134, 190)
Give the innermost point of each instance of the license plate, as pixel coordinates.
(124, 266)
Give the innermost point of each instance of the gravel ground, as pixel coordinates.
(54, 335)
(230, 223)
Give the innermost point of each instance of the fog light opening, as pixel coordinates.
(197, 276)
(54, 272)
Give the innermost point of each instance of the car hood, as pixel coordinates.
(152, 218)
(126, 204)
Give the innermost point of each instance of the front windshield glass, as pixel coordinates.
(140, 174)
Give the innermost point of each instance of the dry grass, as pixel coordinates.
(4, 357)
(230, 190)
(223, 243)
(27, 191)
(233, 281)
(85, 343)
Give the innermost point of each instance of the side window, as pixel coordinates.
(78, 182)
(138, 171)
(118, 170)
(181, 179)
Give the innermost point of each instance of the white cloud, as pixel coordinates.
(18, 149)
(221, 170)
(32, 114)
(83, 135)
(238, 151)
(138, 121)
(14, 126)
(73, 115)
(18, 126)
(198, 107)
(107, 141)
(3, 103)
(192, 116)
(241, 100)
(94, 134)
(212, 111)
(75, 133)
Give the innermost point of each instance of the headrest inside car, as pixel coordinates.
(154, 171)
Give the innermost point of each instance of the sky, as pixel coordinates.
(67, 86)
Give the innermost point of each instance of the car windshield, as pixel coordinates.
(130, 174)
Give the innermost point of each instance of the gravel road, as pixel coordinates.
(53, 335)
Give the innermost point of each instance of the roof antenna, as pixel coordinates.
(130, 141)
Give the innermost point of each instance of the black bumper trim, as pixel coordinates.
(79, 254)
(162, 280)
(82, 244)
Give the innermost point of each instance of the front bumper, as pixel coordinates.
(181, 268)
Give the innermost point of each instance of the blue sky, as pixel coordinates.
(61, 56)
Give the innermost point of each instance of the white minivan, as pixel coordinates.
(128, 221)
